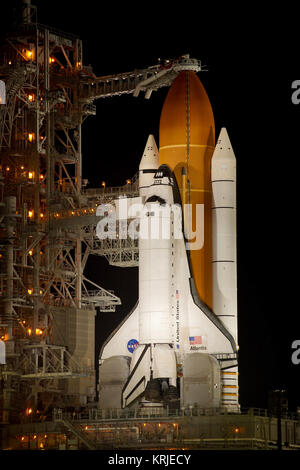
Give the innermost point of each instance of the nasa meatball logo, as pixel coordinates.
(132, 345)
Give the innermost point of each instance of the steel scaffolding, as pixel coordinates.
(48, 218)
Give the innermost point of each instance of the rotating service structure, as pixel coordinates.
(48, 217)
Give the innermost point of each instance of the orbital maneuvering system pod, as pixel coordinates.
(178, 346)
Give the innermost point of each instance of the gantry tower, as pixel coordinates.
(48, 216)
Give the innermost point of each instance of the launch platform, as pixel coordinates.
(189, 429)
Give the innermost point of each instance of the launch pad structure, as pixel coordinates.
(47, 232)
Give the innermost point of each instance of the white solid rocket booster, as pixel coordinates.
(148, 165)
(153, 358)
(223, 175)
(154, 253)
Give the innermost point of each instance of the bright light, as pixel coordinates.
(30, 252)
(103, 184)
(7, 168)
(51, 60)
(31, 137)
(29, 331)
(30, 175)
(38, 331)
(128, 181)
(30, 214)
(30, 291)
(29, 54)
(31, 98)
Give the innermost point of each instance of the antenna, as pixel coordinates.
(28, 12)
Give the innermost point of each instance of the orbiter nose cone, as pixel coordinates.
(149, 159)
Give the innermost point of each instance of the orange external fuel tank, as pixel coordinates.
(186, 145)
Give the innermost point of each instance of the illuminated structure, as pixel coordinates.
(48, 216)
(184, 326)
(47, 232)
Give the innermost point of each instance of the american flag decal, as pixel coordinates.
(195, 339)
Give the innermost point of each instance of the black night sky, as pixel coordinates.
(252, 60)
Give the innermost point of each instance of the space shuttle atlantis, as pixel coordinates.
(178, 346)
